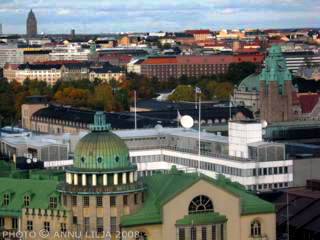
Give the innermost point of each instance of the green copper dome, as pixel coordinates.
(101, 149)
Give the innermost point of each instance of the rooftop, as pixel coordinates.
(38, 190)
(187, 133)
(202, 218)
(163, 187)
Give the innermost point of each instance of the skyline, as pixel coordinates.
(129, 16)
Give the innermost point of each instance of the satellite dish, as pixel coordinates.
(29, 161)
(158, 126)
(264, 124)
(35, 160)
(186, 121)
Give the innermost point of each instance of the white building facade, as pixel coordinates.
(10, 54)
(243, 156)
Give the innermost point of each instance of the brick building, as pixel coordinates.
(165, 67)
(270, 94)
(200, 34)
(276, 89)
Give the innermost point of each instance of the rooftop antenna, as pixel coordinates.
(198, 92)
(135, 110)
(230, 106)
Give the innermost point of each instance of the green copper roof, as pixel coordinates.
(202, 218)
(101, 149)
(39, 191)
(250, 83)
(275, 67)
(275, 70)
(163, 187)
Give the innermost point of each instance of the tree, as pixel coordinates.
(238, 71)
(7, 102)
(103, 98)
(166, 46)
(182, 93)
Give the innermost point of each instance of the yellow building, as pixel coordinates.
(188, 206)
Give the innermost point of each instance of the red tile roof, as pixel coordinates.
(214, 59)
(160, 60)
(198, 31)
(308, 101)
(217, 59)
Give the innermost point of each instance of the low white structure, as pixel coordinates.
(53, 152)
(243, 156)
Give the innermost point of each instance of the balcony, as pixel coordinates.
(78, 189)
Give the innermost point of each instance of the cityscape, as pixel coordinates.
(160, 121)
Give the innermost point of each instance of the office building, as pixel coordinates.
(242, 156)
(31, 25)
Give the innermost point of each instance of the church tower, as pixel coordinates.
(31, 25)
(276, 90)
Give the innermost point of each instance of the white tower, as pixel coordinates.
(242, 133)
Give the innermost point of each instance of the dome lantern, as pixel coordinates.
(100, 124)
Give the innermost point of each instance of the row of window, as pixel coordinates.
(46, 226)
(99, 224)
(269, 171)
(212, 166)
(53, 201)
(60, 122)
(204, 165)
(268, 186)
(99, 200)
(182, 232)
(255, 231)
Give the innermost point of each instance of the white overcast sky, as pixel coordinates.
(97, 16)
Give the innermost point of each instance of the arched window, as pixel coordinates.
(255, 228)
(26, 200)
(200, 204)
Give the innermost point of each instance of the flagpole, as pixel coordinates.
(230, 108)
(135, 110)
(195, 101)
(199, 133)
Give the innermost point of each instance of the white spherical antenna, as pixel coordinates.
(264, 124)
(186, 121)
(158, 126)
(35, 160)
(29, 161)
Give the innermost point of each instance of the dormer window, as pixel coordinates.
(26, 200)
(6, 200)
(53, 202)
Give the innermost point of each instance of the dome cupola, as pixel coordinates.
(101, 149)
